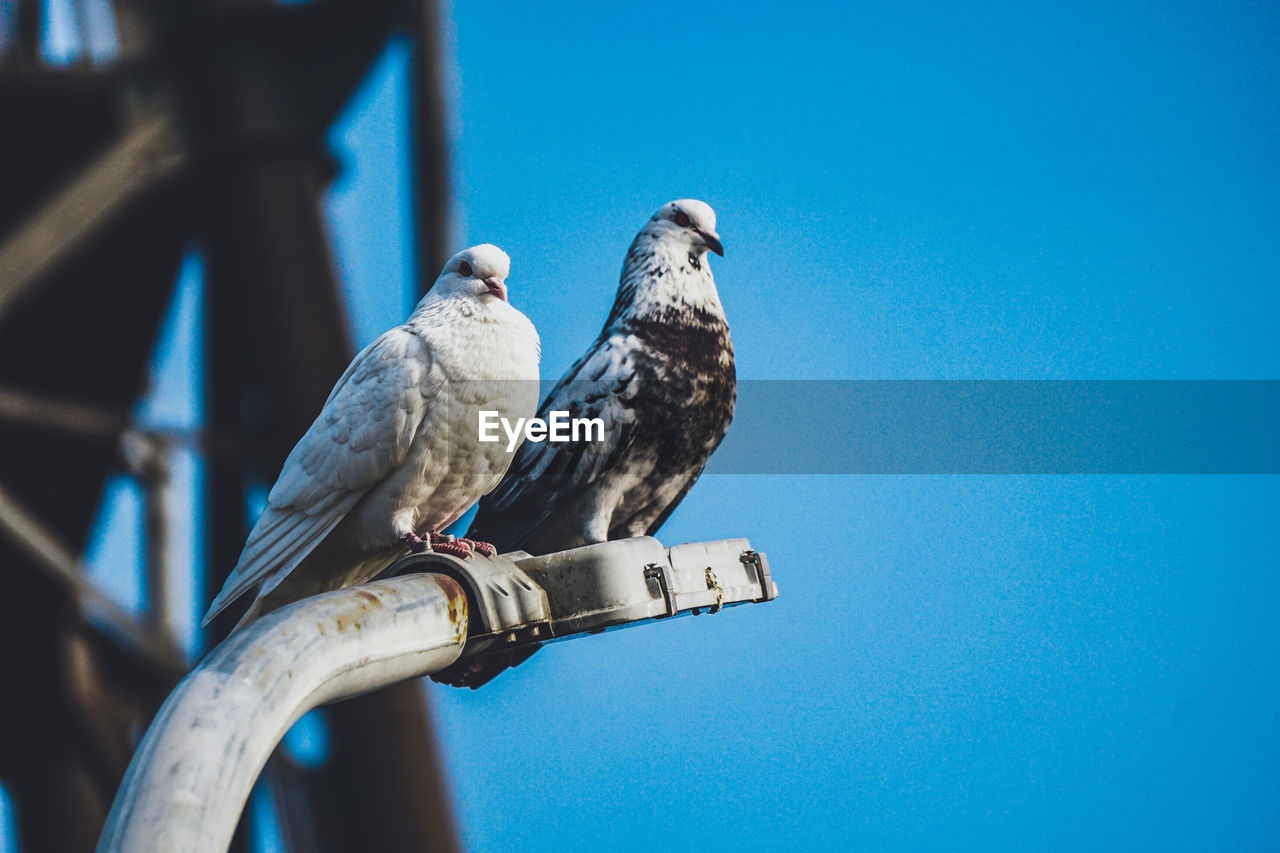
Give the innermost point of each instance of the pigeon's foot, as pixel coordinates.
(478, 547)
(483, 548)
(444, 544)
(415, 542)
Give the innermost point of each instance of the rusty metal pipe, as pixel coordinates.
(192, 772)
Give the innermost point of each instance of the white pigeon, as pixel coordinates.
(395, 455)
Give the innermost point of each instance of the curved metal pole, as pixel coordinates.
(192, 773)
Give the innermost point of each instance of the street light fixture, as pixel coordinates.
(193, 770)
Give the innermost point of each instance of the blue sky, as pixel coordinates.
(904, 191)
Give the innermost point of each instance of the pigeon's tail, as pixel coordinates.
(278, 542)
(478, 671)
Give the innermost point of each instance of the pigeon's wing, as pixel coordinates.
(653, 528)
(711, 443)
(363, 433)
(546, 476)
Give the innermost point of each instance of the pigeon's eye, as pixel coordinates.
(464, 269)
(682, 219)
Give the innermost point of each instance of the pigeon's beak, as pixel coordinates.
(496, 287)
(712, 240)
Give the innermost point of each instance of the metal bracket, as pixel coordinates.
(760, 565)
(519, 600)
(506, 606)
(662, 575)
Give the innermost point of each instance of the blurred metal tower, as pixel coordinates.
(206, 127)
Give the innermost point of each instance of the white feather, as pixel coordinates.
(396, 447)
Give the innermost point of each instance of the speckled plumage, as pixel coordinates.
(396, 448)
(660, 375)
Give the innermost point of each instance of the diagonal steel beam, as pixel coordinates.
(145, 158)
(144, 646)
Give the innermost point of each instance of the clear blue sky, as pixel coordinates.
(904, 191)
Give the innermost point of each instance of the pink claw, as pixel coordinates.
(480, 547)
(457, 548)
(442, 543)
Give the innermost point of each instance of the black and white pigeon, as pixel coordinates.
(395, 456)
(661, 377)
